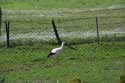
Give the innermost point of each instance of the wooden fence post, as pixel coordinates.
(56, 33)
(7, 24)
(0, 20)
(97, 30)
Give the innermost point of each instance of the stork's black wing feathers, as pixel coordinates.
(50, 54)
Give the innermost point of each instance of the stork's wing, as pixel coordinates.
(50, 54)
(55, 50)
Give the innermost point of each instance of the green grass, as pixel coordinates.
(26, 62)
(49, 4)
(79, 24)
(91, 62)
(69, 16)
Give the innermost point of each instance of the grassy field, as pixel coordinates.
(73, 24)
(93, 63)
(49, 4)
(32, 38)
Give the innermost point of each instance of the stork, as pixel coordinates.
(56, 51)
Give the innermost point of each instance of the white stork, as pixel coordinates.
(56, 51)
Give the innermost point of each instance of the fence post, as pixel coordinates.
(0, 20)
(97, 30)
(7, 24)
(56, 33)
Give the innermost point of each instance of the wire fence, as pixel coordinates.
(74, 30)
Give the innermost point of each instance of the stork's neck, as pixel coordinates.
(62, 44)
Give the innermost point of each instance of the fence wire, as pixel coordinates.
(73, 30)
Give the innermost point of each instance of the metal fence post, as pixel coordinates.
(97, 30)
(56, 33)
(7, 24)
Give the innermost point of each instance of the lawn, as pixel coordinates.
(73, 25)
(49, 4)
(92, 63)
(31, 20)
(32, 38)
